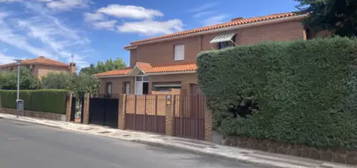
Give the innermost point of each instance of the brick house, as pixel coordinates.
(41, 66)
(167, 64)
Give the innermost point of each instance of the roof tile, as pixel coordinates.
(149, 69)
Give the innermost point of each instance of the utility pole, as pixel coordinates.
(18, 62)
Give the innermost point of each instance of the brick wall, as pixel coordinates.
(162, 53)
(117, 83)
(41, 71)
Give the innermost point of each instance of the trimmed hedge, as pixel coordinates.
(52, 101)
(302, 92)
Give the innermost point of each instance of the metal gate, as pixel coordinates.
(77, 108)
(145, 113)
(104, 111)
(189, 120)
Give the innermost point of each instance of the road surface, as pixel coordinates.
(27, 145)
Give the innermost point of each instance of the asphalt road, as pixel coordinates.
(26, 145)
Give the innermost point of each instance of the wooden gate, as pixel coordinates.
(189, 120)
(104, 111)
(145, 113)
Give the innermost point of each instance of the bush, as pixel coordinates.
(302, 92)
(52, 101)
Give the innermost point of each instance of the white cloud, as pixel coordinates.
(107, 18)
(4, 59)
(109, 25)
(59, 5)
(150, 27)
(43, 34)
(214, 20)
(10, 1)
(8, 36)
(204, 7)
(203, 14)
(92, 17)
(66, 4)
(129, 11)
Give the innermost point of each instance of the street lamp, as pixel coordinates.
(19, 102)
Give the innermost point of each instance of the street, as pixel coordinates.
(26, 145)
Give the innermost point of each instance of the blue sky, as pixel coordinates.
(96, 30)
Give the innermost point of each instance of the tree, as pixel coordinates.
(83, 83)
(337, 16)
(56, 81)
(8, 79)
(104, 66)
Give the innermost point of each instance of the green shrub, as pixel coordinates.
(303, 92)
(53, 101)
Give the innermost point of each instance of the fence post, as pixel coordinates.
(85, 111)
(208, 123)
(169, 119)
(122, 111)
(69, 107)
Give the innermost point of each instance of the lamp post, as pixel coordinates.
(18, 62)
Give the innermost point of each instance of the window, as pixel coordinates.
(126, 88)
(225, 44)
(166, 86)
(109, 89)
(179, 52)
(224, 40)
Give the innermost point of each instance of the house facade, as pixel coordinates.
(41, 66)
(167, 64)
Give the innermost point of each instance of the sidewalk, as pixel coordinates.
(245, 155)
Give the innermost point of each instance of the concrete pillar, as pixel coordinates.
(208, 124)
(69, 107)
(169, 121)
(122, 111)
(85, 112)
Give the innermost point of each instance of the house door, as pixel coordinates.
(141, 85)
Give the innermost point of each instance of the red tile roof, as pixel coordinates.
(40, 61)
(173, 68)
(43, 61)
(143, 66)
(234, 22)
(114, 72)
(149, 69)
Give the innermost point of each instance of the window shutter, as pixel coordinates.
(179, 52)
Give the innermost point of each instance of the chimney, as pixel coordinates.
(237, 18)
(72, 67)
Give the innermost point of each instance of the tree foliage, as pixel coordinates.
(337, 16)
(83, 83)
(56, 81)
(104, 66)
(8, 80)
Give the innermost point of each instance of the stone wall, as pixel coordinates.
(35, 114)
(332, 155)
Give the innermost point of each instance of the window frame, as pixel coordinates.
(107, 92)
(125, 84)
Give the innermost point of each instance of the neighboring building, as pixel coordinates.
(167, 64)
(41, 66)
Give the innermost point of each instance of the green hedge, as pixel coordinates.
(302, 92)
(53, 101)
